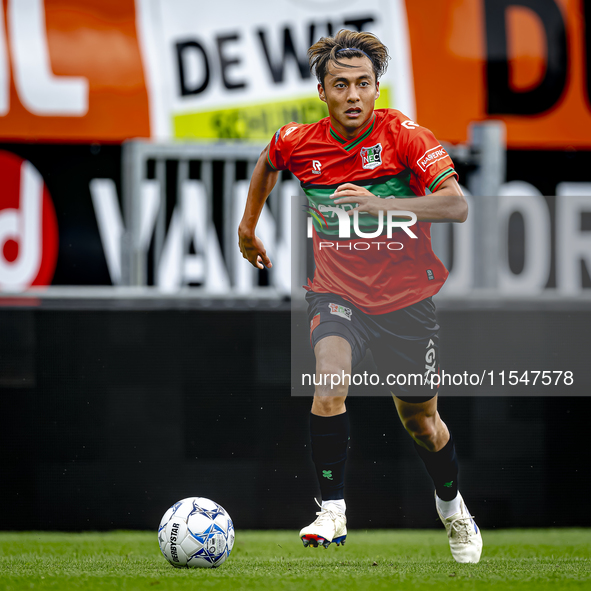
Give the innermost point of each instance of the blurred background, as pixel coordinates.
(143, 361)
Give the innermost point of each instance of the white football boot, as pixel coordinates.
(329, 527)
(465, 540)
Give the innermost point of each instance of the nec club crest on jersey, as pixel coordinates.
(371, 157)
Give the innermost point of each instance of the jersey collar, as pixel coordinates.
(349, 145)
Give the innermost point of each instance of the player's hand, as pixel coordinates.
(252, 249)
(365, 200)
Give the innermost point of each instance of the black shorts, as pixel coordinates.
(405, 341)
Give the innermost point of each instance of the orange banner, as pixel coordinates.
(71, 71)
(525, 62)
(74, 71)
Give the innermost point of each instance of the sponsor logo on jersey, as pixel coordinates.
(317, 215)
(289, 130)
(371, 157)
(316, 166)
(431, 156)
(341, 311)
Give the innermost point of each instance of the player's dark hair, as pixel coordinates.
(347, 44)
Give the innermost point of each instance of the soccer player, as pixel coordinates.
(378, 294)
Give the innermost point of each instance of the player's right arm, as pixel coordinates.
(262, 182)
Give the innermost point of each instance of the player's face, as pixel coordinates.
(350, 94)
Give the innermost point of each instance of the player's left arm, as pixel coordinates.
(447, 204)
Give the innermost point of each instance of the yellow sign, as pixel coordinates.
(254, 122)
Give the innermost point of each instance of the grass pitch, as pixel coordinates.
(276, 560)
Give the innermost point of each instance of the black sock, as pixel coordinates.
(330, 438)
(442, 466)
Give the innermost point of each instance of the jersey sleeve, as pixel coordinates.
(282, 145)
(425, 156)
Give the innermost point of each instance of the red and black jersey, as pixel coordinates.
(392, 157)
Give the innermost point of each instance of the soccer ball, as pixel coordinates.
(196, 533)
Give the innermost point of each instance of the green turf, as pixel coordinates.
(276, 560)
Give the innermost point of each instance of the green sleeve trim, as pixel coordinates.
(269, 161)
(439, 179)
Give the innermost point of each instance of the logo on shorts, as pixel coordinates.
(430, 275)
(430, 361)
(315, 322)
(341, 311)
(371, 157)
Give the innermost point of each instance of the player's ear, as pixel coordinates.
(377, 90)
(321, 94)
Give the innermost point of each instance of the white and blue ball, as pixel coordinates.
(196, 533)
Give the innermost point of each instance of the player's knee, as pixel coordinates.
(422, 430)
(327, 406)
(328, 391)
(331, 380)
